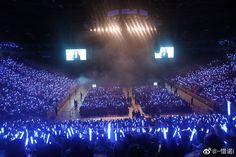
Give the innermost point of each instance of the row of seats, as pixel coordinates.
(158, 100)
(104, 102)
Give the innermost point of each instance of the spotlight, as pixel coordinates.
(143, 28)
(110, 28)
(128, 29)
(102, 30)
(106, 29)
(154, 83)
(91, 30)
(118, 29)
(94, 85)
(132, 28)
(95, 30)
(99, 29)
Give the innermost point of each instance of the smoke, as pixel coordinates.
(121, 62)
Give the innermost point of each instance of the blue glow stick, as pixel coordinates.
(27, 138)
(69, 132)
(44, 136)
(90, 134)
(175, 133)
(48, 138)
(193, 132)
(179, 135)
(72, 131)
(35, 133)
(228, 108)
(55, 132)
(26, 141)
(115, 136)
(164, 130)
(122, 132)
(22, 134)
(16, 135)
(224, 128)
(109, 131)
(31, 140)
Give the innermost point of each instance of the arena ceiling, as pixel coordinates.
(46, 20)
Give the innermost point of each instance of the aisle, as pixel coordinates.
(134, 107)
(197, 106)
(68, 111)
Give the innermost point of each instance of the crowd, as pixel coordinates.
(27, 91)
(156, 100)
(102, 101)
(160, 137)
(8, 45)
(215, 81)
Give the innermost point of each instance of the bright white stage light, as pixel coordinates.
(115, 29)
(128, 29)
(155, 84)
(110, 29)
(118, 29)
(99, 29)
(94, 85)
(102, 29)
(91, 30)
(106, 29)
(132, 29)
(95, 30)
(143, 28)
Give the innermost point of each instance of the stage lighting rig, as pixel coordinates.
(126, 22)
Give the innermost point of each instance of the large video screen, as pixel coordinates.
(76, 54)
(165, 52)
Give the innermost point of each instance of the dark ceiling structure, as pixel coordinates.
(49, 20)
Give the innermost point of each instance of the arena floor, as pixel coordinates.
(69, 112)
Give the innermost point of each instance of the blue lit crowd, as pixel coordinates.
(169, 136)
(27, 91)
(216, 81)
(8, 45)
(104, 102)
(157, 100)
